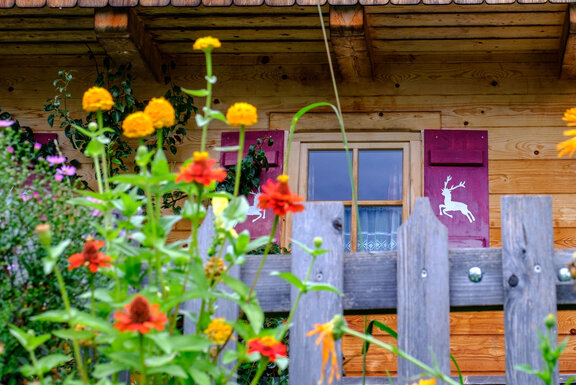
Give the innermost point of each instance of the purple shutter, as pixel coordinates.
(456, 181)
(259, 222)
(44, 137)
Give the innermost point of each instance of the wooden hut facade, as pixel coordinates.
(501, 67)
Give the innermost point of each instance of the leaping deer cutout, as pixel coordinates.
(254, 209)
(450, 205)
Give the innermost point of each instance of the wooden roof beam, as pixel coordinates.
(568, 70)
(350, 42)
(122, 34)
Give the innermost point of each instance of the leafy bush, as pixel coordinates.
(30, 195)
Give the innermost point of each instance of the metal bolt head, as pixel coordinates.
(475, 274)
(424, 273)
(564, 274)
(537, 268)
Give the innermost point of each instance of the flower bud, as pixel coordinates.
(550, 321)
(318, 242)
(44, 234)
(92, 126)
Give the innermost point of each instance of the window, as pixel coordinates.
(386, 174)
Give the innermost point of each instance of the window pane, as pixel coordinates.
(347, 225)
(328, 178)
(379, 226)
(380, 175)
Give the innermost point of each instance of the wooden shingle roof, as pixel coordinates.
(245, 3)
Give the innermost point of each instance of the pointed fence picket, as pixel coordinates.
(423, 281)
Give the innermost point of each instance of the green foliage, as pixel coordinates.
(29, 195)
(252, 165)
(119, 82)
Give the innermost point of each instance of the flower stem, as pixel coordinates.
(75, 344)
(263, 260)
(92, 298)
(261, 367)
(400, 353)
(208, 97)
(239, 161)
(159, 139)
(142, 361)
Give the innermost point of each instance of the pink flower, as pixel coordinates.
(10, 149)
(6, 123)
(55, 159)
(66, 170)
(59, 177)
(37, 146)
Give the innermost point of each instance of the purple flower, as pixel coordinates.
(10, 149)
(37, 146)
(59, 177)
(25, 197)
(6, 123)
(55, 159)
(66, 170)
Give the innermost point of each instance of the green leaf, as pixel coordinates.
(57, 250)
(48, 264)
(171, 370)
(73, 334)
(190, 343)
(94, 148)
(47, 363)
(193, 210)
(282, 362)
(242, 243)
(257, 243)
(160, 164)
(201, 93)
(211, 79)
(237, 285)
(162, 340)
(200, 377)
(95, 323)
(168, 221)
(53, 316)
(526, 368)
(229, 356)
(201, 121)
(132, 360)
(105, 370)
(317, 286)
(213, 114)
(255, 315)
(290, 278)
(157, 361)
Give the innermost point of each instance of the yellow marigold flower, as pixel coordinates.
(242, 114)
(161, 112)
(567, 146)
(218, 331)
(570, 116)
(137, 125)
(218, 205)
(326, 338)
(97, 98)
(431, 381)
(206, 43)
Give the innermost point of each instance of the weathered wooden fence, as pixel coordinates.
(423, 280)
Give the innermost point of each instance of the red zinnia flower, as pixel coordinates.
(200, 170)
(140, 316)
(278, 196)
(90, 257)
(267, 346)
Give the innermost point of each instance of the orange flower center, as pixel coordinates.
(90, 253)
(139, 310)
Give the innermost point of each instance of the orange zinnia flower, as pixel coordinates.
(326, 337)
(90, 257)
(200, 170)
(277, 196)
(431, 381)
(267, 346)
(140, 316)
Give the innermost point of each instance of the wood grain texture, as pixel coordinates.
(30, 3)
(324, 220)
(528, 279)
(423, 272)
(61, 3)
(92, 3)
(7, 3)
(532, 176)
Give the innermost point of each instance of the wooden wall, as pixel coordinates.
(520, 104)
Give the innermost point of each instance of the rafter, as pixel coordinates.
(350, 42)
(123, 36)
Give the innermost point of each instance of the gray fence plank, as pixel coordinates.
(224, 309)
(529, 277)
(324, 220)
(423, 291)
